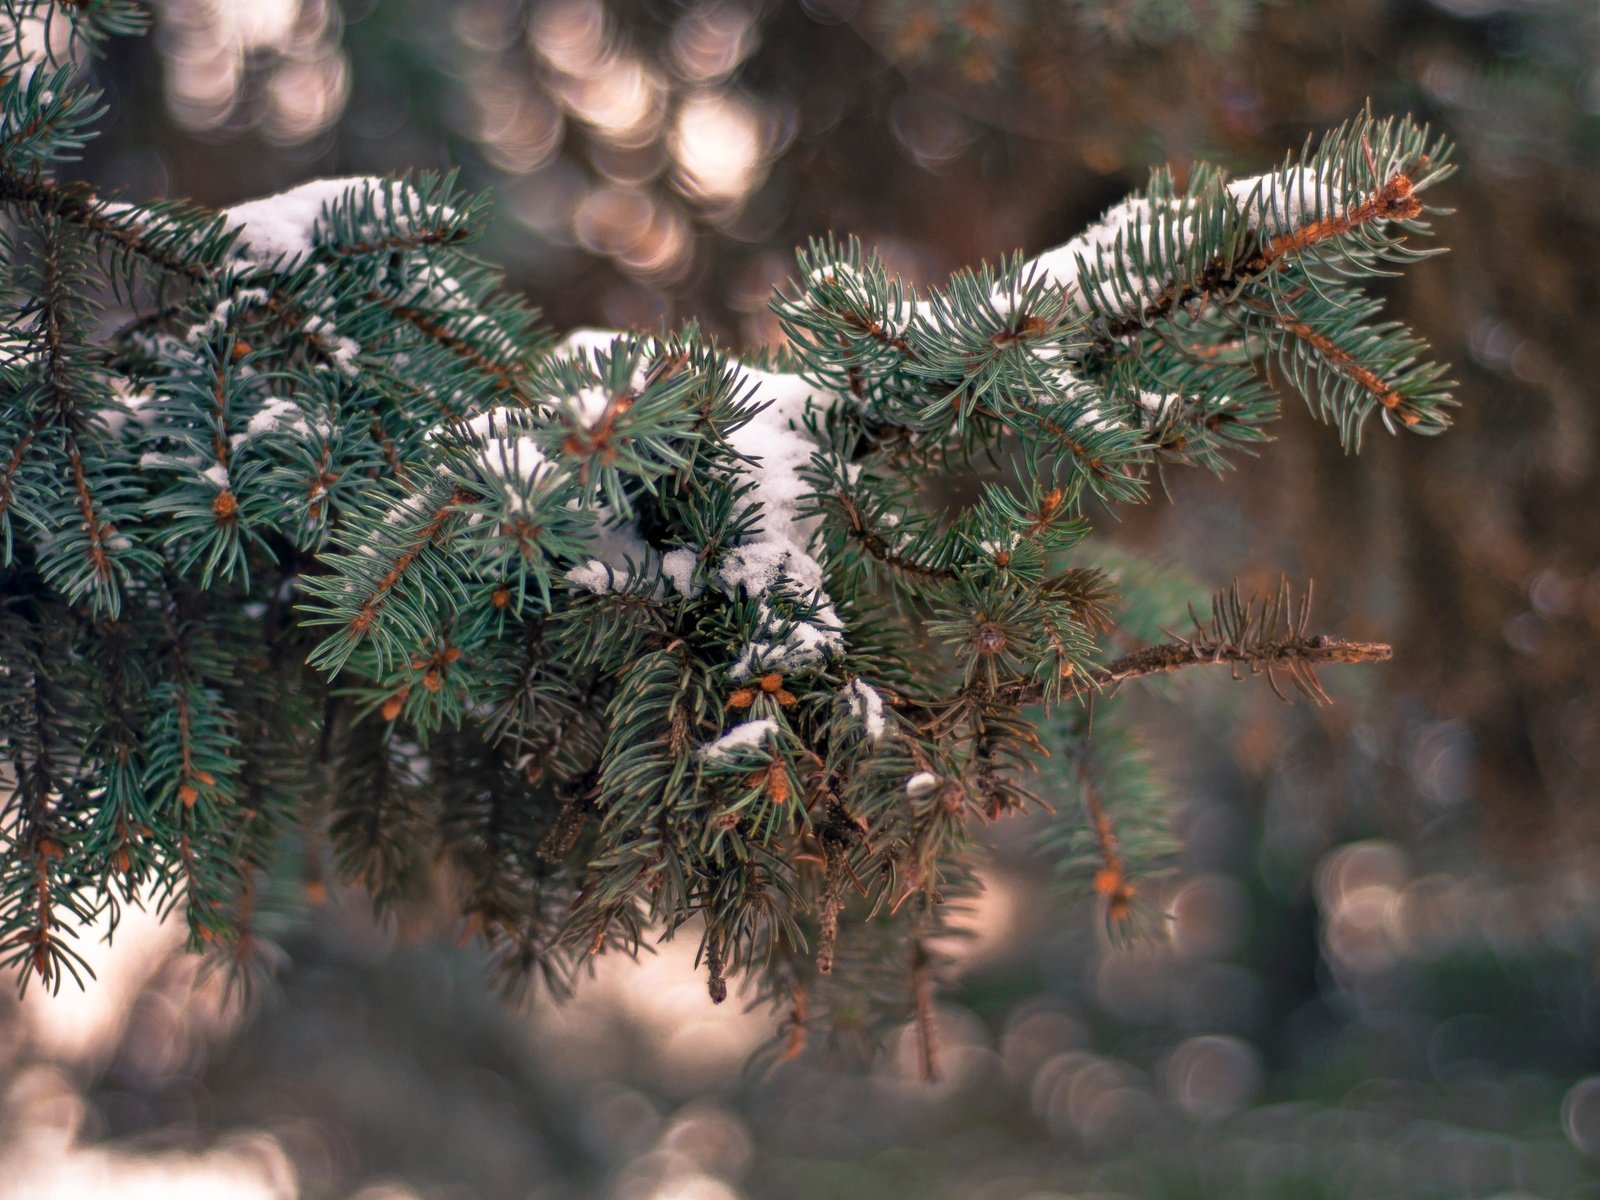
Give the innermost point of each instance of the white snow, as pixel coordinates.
(1158, 405)
(586, 345)
(867, 706)
(344, 355)
(678, 568)
(409, 508)
(1282, 200)
(589, 405)
(777, 439)
(341, 349)
(994, 548)
(216, 475)
(1097, 246)
(131, 403)
(219, 317)
(277, 415)
(777, 557)
(620, 554)
(754, 567)
(595, 576)
(800, 644)
(511, 459)
(281, 229)
(921, 784)
(841, 274)
(750, 735)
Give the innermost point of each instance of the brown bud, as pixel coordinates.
(1398, 199)
(989, 639)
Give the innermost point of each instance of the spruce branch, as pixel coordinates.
(1297, 657)
(1412, 162)
(1260, 636)
(78, 204)
(629, 632)
(506, 377)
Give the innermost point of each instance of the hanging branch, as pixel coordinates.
(620, 632)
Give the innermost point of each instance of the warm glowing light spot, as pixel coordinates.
(719, 146)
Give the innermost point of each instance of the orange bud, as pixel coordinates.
(771, 683)
(432, 682)
(743, 698)
(500, 597)
(1120, 905)
(393, 705)
(316, 892)
(778, 783)
(225, 505)
(206, 777)
(240, 350)
(452, 654)
(188, 795)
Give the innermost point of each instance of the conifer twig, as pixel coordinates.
(1290, 655)
(1263, 636)
(77, 203)
(1396, 199)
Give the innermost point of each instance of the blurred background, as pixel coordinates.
(1379, 975)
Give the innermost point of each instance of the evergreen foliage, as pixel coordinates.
(308, 532)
